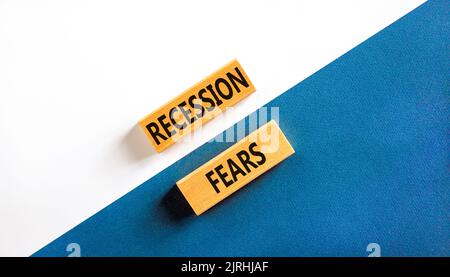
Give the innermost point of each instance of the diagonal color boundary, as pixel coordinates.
(371, 165)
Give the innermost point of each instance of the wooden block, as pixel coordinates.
(235, 167)
(197, 105)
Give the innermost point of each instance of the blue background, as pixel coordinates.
(371, 134)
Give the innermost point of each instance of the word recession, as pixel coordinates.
(197, 105)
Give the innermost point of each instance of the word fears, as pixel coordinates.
(235, 167)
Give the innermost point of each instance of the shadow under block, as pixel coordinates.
(235, 167)
(197, 105)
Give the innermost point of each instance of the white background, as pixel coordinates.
(76, 76)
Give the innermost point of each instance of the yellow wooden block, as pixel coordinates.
(235, 167)
(197, 105)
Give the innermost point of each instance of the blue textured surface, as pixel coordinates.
(371, 133)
